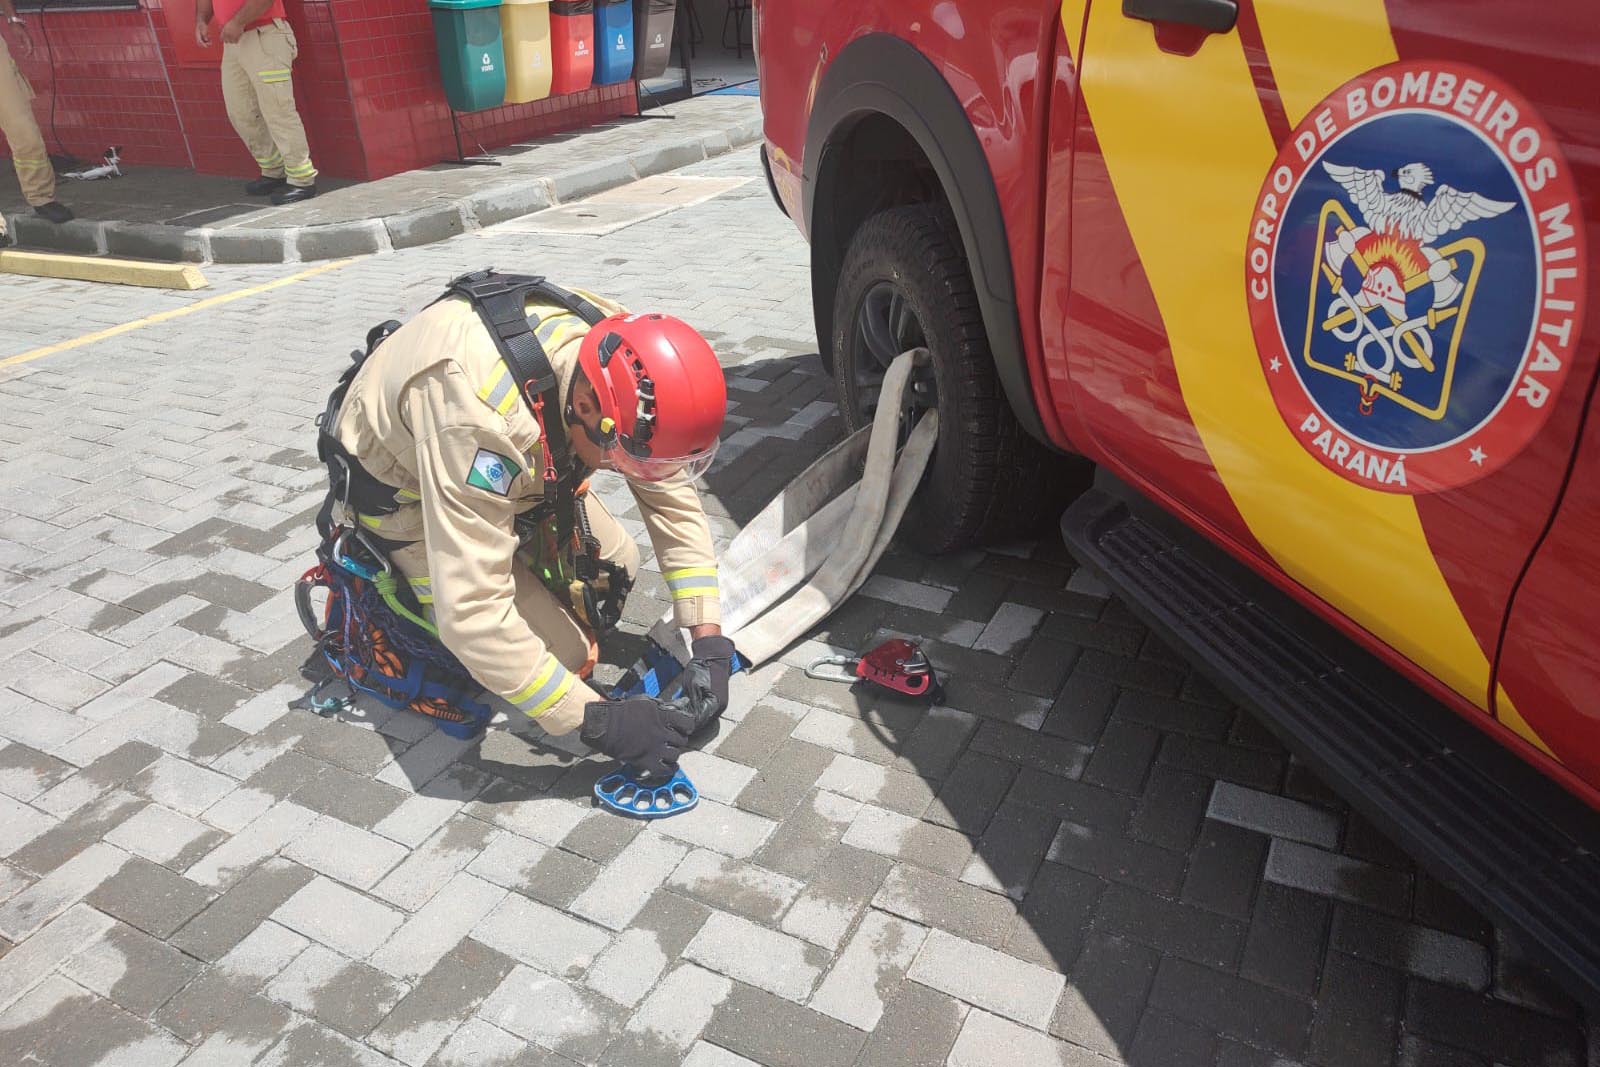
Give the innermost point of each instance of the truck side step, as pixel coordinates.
(1511, 841)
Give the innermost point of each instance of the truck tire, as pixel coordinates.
(904, 283)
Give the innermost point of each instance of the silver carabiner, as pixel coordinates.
(850, 662)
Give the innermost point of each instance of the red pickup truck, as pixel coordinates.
(1306, 284)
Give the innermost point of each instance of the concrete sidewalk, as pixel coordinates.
(177, 215)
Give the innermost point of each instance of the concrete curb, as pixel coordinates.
(437, 222)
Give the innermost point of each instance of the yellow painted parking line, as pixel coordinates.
(174, 313)
(107, 269)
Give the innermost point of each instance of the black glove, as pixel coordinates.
(647, 736)
(705, 680)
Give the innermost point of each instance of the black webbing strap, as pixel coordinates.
(501, 302)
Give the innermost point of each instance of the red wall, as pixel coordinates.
(367, 82)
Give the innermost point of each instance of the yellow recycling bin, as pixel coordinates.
(525, 26)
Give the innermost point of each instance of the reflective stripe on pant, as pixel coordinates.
(259, 93)
(21, 129)
(566, 644)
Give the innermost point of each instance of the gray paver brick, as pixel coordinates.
(720, 828)
(1224, 869)
(617, 894)
(26, 772)
(1105, 994)
(758, 956)
(477, 1044)
(539, 935)
(990, 1041)
(63, 887)
(1273, 815)
(806, 838)
(901, 837)
(264, 952)
(933, 746)
(1172, 809)
(218, 1005)
(1232, 1006)
(438, 926)
(734, 886)
(164, 836)
(1330, 874)
(449, 993)
(933, 900)
(918, 1028)
(83, 828)
(875, 959)
(1010, 851)
(1503, 1032)
(241, 909)
(100, 1032)
(1110, 855)
(273, 830)
(150, 897)
(1426, 953)
(550, 1013)
(879, 785)
(20, 824)
(340, 918)
(1172, 926)
(786, 779)
(349, 997)
(776, 1033)
(425, 871)
(987, 979)
(670, 1020)
(132, 969)
(630, 966)
(1164, 1038)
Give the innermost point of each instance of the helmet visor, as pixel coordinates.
(660, 468)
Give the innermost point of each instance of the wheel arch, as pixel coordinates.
(887, 129)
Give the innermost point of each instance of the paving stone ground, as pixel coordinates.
(1085, 857)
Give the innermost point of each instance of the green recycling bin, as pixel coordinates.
(472, 59)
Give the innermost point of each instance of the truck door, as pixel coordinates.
(1328, 270)
(1549, 662)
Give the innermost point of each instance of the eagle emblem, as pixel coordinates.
(1393, 250)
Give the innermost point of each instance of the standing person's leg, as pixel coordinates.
(239, 96)
(270, 59)
(21, 129)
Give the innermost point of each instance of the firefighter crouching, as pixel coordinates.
(458, 448)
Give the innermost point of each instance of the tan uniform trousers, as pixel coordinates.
(546, 615)
(21, 129)
(257, 89)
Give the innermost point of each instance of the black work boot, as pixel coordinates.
(294, 194)
(263, 186)
(55, 211)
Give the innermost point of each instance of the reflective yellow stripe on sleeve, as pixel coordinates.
(548, 686)
(422, 588)
(500, 392)
(687, 582)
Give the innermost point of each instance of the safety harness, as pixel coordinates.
(372, 631)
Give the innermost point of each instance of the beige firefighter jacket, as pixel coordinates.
(436, 414)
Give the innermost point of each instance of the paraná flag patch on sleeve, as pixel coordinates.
(492, 472)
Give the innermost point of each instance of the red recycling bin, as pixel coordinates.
(571, 45)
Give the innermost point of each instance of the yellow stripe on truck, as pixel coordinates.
(1190, 223)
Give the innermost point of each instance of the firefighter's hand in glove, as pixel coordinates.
(647, 736)
(705, 680)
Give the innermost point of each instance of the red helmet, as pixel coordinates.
(661, 393)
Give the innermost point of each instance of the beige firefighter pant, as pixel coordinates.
(547, 616)
(259, 94)
(22, 134)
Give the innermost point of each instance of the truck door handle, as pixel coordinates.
(1212, 16)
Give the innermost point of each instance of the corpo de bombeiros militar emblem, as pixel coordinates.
(1415, 273)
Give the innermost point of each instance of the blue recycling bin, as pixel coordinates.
(613, 41)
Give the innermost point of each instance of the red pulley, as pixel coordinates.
(898, 665)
